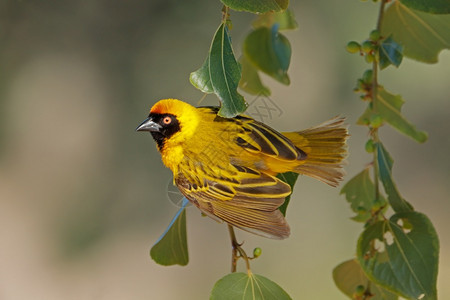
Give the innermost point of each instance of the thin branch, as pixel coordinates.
(237, 252)
(376, 172)
(375, 61)
(234, 256)
(381, 14)
(374, 131)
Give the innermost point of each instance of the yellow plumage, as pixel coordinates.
(227, 166)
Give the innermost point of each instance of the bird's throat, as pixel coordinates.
(159, 139)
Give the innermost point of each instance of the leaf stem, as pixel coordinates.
(237, 252)
(225, 14)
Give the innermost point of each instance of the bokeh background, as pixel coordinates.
(83, 196)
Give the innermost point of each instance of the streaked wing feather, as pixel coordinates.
(270, 224)
(255, 190)
(260, 138)
(251, 205)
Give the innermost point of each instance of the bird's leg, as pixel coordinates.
(235, 249)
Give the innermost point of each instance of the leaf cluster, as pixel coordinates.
(265, 50)
(396, 255)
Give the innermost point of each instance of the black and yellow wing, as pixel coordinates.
(260, 141)
(242, 197)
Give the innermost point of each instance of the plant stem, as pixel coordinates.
(374, 131)
(375, 61)
(234, 256)
(235, 249)
(367, 293)
(375, 166)
(381, 14)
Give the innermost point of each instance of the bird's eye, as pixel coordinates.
(167, 120)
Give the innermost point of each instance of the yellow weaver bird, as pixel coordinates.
(227, 166)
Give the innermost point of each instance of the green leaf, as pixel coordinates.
(390, 53)
(434, 6)
(250, 80)
(285, 20)
(388, 107)
(403, 259)
(360, 193)
(348, 275)
(290, 178)
(389, 161)
(257, 7)
(269, 51)
(201, 78)
(384, 166)
(242, 286)
(221, 74)
(421, 34)
(171, 248)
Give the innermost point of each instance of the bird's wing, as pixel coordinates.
(259, 138)
(256, 137)
(242, 197)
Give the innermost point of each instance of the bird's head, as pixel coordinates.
(171, 120)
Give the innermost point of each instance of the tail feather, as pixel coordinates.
(325, 147)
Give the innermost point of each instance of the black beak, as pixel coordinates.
(149, 125)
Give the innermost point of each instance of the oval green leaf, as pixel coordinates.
(434, 6)
(242, 286)
(422, 35)
(257, 7)
(348, 275)
(221, 74)
(171, 248)
(400, 258)
(270, 52)
(225, 74)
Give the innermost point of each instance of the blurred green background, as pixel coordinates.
(83, 196)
